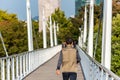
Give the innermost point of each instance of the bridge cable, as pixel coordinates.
(98, 33)
(36, 41)
(3, 45)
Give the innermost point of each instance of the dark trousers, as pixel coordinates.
(69, 75)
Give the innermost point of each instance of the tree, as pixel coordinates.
(14, 33)
(77, 22)
(66, 28)
(37, 36)
(115, 66)
(6, 16)
(116, 7)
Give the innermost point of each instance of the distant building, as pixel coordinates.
(80, 3)
(98, 1)
(48, 6)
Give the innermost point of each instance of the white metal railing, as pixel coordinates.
(16, 67)
(93, 70)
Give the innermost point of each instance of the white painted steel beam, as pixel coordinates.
(91, 26)
(2, 69)
(85, 25)
(55, 35)
(29, 26)
(17, 71)
(51, 33)
(13, 68)
(106, 36)
(44, 31)
(8, 69)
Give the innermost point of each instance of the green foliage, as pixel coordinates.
(116, 45)
(66, 28)
(98, 31)
(5, 16)
(13, 33)
(37, 37)
(115, 64)
(116, 7)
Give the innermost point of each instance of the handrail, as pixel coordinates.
(18, 66)
(93, 70)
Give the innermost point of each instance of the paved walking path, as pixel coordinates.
(47, 71)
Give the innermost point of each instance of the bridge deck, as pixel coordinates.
(47, 71)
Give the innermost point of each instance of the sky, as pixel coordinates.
(19, 7)
(68, 6)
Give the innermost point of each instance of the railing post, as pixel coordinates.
(12, 67)
(21, 67)
(2, 70)
(106, 74)
(17, 67)
(27, 63)
(8, 68)
(24, 65)
(101, 75)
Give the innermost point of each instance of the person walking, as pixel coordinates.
(69, 59)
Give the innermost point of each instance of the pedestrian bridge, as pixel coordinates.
(41, 65)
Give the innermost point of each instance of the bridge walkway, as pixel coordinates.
(47, 71)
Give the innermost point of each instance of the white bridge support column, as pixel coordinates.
(55, 35)
(85, 25)
(29, 26)
(91, 26)
(106, 36)
(81, 38)
(51, 33)
(44, 31)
